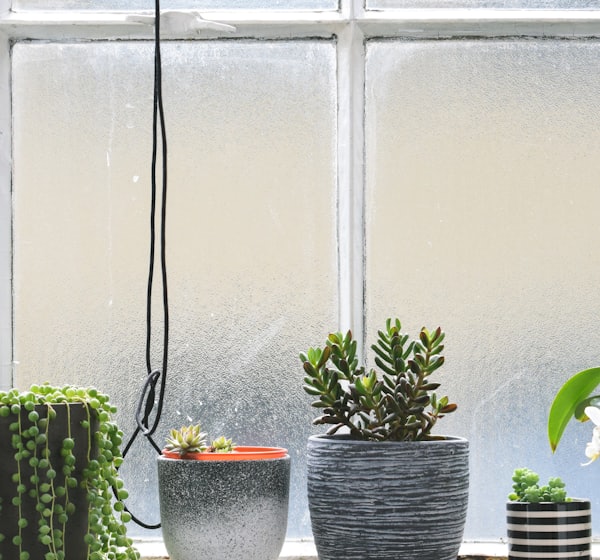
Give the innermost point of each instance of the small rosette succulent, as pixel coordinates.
(221, 445)
(188, 439)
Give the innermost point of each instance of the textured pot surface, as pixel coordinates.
(212, 510)
(549, 530)
(387, 500)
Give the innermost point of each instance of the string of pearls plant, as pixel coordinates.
(55, 474)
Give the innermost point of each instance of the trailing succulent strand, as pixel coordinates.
(398, 403)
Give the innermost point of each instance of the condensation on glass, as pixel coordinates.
(481, 216)
(486, 4)
(251, 234)
(175, 4)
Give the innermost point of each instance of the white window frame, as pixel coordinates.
(351, 26)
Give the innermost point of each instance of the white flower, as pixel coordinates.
(592, 450)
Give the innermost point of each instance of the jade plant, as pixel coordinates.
(190, 439)
(526, 488)
(396, 403)
(61, 453)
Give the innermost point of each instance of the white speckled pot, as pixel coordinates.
(224, 510)
(387, 500)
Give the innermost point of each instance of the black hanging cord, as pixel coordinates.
(148, 399)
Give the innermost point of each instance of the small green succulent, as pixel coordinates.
(221, 445)
(188, 439)
(527, 489)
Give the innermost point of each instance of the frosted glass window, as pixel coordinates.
(481, 216)
(490, 4)
(251, 233)
(175, 4)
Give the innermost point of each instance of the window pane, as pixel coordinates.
(490, 4)
(482, 202)
(175, 4)
(251, 254)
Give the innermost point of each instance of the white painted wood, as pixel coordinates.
(351, 82)
(430, 23)
(6, 354)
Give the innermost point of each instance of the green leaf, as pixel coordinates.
(336, 338)
(324, 356)
(435, 364)
(573, 392)
(348, 338)
(311, 391)
(384, 367)
(319, 404)
(360, 388)
(310, 369)
(383, 355)
(312, 355)
(344, 367)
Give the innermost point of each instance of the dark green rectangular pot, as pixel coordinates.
(76, 528)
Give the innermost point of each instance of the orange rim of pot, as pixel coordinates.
(240, 453)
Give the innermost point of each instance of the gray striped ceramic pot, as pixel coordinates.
(387, 500)
(224, 509)
(549, 530)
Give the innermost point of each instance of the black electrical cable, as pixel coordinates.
(148, 399)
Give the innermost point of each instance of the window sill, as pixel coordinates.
(305, 550)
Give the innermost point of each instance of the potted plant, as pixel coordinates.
(222, 501)
(543, 522)
(380, 484)
(60, 494)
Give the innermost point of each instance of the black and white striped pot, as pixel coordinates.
(549, 530)
(387, 500)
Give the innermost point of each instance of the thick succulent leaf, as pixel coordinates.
(448, 408)
(383, 354)
(566, 401)
(384, 367)
(325, 353)
(311, 391)
(435, 364)
(310, 369)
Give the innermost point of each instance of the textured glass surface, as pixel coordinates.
(490, 4)
(251, 233)
(175, 4)
(482, 202)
